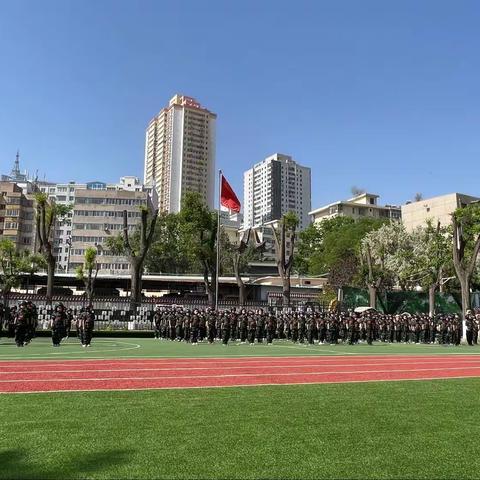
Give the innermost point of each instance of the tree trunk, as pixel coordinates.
(89, 291)
(242, 291)
(372, 292)
(465, 287)
(286, 290)
(210, 286)
(136, 285)
(5, 298)
(431, 299)
(50, 277)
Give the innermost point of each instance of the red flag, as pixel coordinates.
(228, 198)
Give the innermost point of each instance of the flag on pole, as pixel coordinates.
(228, 198)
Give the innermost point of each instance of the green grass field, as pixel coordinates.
(41, 349)
(401, 430)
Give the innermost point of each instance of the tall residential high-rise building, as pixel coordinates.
(180, 153)
(274, 187)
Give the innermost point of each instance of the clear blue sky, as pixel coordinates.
(381, 94)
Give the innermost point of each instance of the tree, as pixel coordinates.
(169, 252)
(88, 272)
(284, 235)
(314, 244)
(377, 249)
(332, 248)
(431, 259)
(13, 264)
(239, 255)
(200, 226)
(47, 214)
(466, 245)
(135, 247)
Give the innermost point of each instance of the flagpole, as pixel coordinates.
(218, 237)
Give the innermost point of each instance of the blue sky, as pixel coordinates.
(381, 94)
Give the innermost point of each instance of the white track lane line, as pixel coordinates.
(142, 389)
(283, 374)
(238, 367)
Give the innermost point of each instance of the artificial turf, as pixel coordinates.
(404, 429)
(41, 349)
(426, 429)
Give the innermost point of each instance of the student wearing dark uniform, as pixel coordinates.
(187, 327)
(243, 326)
(476, 323)
(322, 330)
(225, 328)
(211, 322)
(311, 329)
(369, 330)
(252, 328)
(157, 324)
(88, 325)
(469, 321)
(280, 327)
(20, 325)
(202, 327)
(271, 327)
(302, 330)
(68, 325)
(233, 317)
(32, 321)
(260, 326)
(194, 328)
(58, 322)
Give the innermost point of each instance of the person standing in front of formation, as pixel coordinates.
(87, 326)
(469, 321)
(157, 323)
(68, 325)
(20, 325)
(57, 324)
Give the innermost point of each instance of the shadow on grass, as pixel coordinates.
(15, 465)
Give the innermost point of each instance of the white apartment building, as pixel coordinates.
(363, 205)
(69, 245)
(62, 194)
(437, 209)
(180, 153)
(98, 215)
(274, 187)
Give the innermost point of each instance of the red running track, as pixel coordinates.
(143, 374)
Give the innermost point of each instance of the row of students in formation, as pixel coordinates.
(257, 326)
(21, 323)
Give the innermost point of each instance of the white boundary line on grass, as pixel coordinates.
(38, 356)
